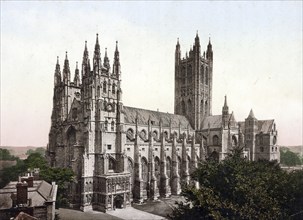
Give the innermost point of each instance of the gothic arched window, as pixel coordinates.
(202, 74)
(112, 127)
(168, 167)
(130, 133)
(215, 140)
(114, 88)
(132, 173)
(189, 74)
(183, 74)
(104, 87)
(206, 76)
(234, 141)
(144, 169)
(106, 125)
(143, 134)
(111, 164)
(157, 170)
(155, 134)
(98, 91)
(206, 108)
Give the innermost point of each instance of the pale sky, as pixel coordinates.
(257, 57)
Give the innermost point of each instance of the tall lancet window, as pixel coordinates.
(202, 74)
(104, 87)
(206, 76)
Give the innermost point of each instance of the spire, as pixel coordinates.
(116, 65)
(57, 77)
(177, 53)
(225, 113)
(97, 56)
(66, 70)
(85, 61)
(85, 53)
(197, 39)
(251, 114)
(77, 76)
(106, 60)
(209, 51)
(225, 101)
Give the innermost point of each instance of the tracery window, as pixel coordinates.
(215, 140)
(112, 126)
(111, 164)
(189, 74)
(206, 76)
(114, 88)
(106, 125)
(202, 73)
(104, 87)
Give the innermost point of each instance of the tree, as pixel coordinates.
(290, 158)
(40, 150)
(240, 189)
(6, 155)
(62, 176)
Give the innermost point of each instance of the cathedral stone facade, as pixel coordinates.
(123, 154)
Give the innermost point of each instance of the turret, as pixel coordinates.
(77, 76)
(85, 62)
(97, 57)
(177, 53)
(251, 128)
(225, 113)
(209, 51)
(116, 65)
(66, 71)
(106, 61)
(197, 45)
(57, 75)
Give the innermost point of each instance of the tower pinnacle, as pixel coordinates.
(66, 70)
(57, 76)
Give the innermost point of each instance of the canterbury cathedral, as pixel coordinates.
(122, 154)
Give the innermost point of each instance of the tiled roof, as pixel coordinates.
(39, 193)
(144, 115)
(265, 126)
(214, 121)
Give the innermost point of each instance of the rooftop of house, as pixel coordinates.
(40, 193)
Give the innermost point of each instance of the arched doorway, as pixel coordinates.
(214, 156)
(118, 202)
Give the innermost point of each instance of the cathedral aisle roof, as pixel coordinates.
(264, 126)
(144, 115)
(212, 122)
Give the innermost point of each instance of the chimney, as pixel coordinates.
(29, 180)
(22, 192)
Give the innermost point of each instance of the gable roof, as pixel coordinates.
(144, 115)
(214, 121)
(39, 193)
(264, 126)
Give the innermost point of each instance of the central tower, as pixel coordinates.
(193, 83)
